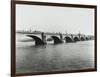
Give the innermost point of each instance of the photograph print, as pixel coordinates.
(54, 38)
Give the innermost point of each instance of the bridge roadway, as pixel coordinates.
(42, 38)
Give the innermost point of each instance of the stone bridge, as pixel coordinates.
(42, 38)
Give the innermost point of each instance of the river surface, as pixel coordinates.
(65, 56)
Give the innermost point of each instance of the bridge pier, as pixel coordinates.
(72, 38)
(61, 37)
(43, 36)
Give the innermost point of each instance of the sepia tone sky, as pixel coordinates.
(55, 19)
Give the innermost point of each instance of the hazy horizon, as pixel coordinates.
(55, 19)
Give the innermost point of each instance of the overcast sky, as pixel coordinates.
(55, 19)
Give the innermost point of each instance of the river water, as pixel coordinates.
(65, 56)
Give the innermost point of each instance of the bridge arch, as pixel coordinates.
(76, 39)
(56, 39)
(82, 38)
(68, 39)
(87, 38)
(38, 41)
